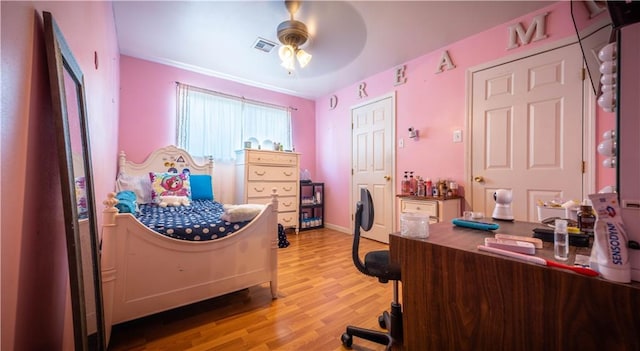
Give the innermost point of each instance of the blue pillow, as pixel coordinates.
(126, 195)
(201, 187)
(126, 202)
(126, 206)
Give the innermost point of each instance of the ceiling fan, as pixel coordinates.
(292, 34)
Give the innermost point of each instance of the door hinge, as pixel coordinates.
(584, 167)
(352, 173)
(584, 73)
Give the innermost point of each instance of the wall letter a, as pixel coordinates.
(445, 63)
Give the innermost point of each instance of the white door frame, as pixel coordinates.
(391, 95)
(588, 118)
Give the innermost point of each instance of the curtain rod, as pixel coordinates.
(241, 98)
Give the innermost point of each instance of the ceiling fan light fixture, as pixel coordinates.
(303, 57)
(289, 64)
(292, 34)
(286, 52)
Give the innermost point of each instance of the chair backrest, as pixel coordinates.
(363, 219)
(367, 209)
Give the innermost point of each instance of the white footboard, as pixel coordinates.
(145, 272)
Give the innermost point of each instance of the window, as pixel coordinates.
(215, 124)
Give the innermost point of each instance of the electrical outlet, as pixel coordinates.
(401, 143)
(457, 136)
(633, 204)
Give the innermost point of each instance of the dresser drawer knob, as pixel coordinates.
(286, 204)
(288, 174)
(260, 173)
(287, 188)
(258, 190)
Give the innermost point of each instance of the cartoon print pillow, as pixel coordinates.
(81, 197)
(169, 184)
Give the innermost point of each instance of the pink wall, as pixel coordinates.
(34, 302)
(435, 104)
(148, 103)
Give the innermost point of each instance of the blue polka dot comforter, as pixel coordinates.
(198, 222)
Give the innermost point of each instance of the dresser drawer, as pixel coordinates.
(288, 219)
(287, 203)
(428, 208)
(256, 172)
(278, 158)
(263, 189)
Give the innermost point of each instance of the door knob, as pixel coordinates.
(478, 179)
(387, 177)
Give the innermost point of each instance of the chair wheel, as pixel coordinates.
(381, 322)
(347, 340)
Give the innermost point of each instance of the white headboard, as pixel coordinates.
(166, 159)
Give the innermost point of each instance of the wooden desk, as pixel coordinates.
(457, 298)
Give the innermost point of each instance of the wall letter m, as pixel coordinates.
(536, 27)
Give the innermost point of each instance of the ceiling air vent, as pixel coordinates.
(264, 45)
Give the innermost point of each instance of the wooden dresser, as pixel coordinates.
(456, 298)
(259, 171)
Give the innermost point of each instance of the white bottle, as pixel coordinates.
(561, 240)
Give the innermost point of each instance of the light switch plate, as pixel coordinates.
(457, 136)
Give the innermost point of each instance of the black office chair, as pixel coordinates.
(376, 264)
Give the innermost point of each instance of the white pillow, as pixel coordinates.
(139, 184)
(174, 201)
(240, 213)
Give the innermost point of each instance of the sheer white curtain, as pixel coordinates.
(208, 124)
(215, 124)
(267, 123)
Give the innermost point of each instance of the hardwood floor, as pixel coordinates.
(320, 293)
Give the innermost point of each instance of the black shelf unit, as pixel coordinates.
(311, 205)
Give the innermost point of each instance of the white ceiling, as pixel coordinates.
(350, 40)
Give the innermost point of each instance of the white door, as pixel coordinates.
(527, 131)
(373, 128)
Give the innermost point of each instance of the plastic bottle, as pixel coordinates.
(561, 240)
(453, 186)
(413, 184)
(421, 187)
(428, 187)
(405, 184)
(442, 187)
(435, 190)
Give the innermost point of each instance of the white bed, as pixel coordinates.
(144, 272)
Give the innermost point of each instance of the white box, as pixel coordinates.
(561, 212)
